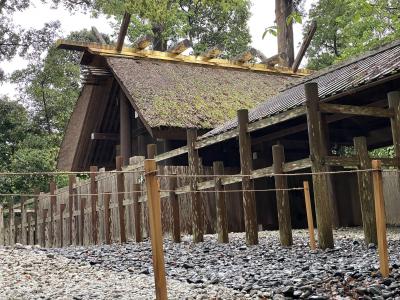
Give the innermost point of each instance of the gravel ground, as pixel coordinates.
(205, 271)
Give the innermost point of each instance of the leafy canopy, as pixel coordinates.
(350, 27)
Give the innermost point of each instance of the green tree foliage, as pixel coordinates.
(205, 22)
(350, 27)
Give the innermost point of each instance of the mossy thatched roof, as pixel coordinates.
(187, 95)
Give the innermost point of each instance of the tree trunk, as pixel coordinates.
(159, 43)
(283, 9)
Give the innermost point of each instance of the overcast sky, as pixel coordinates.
(262, 16)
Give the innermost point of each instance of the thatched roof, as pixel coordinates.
(186, 95)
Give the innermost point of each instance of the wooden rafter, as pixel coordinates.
(356, 110)
(304, 46)
(122, 31)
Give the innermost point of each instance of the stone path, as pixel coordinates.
(205, 271)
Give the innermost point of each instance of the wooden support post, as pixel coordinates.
(174, 202)
(394, 103)
(28, 229)
(365, 190)
(120, 197)
(151, 151)
(23, 221)
(44, 221)
(122, 31)
(246, 163)
(125, 129)
(196, 198)
(61, 229)
(107, 218)
(36, 216)
(380, 218)
(71, 182)
(11, 221)
(2, 235)
(310, 221)
(320, 184)
(52, 212)
(82, 221)
(154, 204)
(222, 218)
(93, 202)
(137, 214)
(282, 197)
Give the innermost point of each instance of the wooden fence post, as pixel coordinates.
(154, 204)
(246, 163)
(29, 231)
(94, 197)
(151, 151)
(282, 197)
(44, 227)
(136, 212)
(222, 218)
(61, 234)
(71, 182)
(365, 190)
(320, 183)
(2, 235)
(36, 216)
(11, 221)
(380, 218)
(82, 221)
(23, 221)
(120, 197)
(52, 212)
(174, 201)
(17, 223)
(310, 221)
(196, 198)
(107, 218)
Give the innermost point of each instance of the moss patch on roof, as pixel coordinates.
(182, 95)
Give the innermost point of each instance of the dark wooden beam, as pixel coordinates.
(125, 129)
(356, 110)
(122, 31)
(104, 136)
(320, 184)
(222, 217)
(365, 190)
(246, 163)
(304, 46)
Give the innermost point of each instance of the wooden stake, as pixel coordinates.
(154, 204)
(310, 221)
(36, 216)
(2, 235)
(222, 218)
(28, 221)
(173, 199)
(282, 197)
(93, 202)
(320, 183)
(380, 218)
(61, 232)
(107, 219)
(137, 214)
(120, 197)
(196, 198)
(53, 201)
(71, 182)
(82, 221)
(23, 221)
(365, 190)
(44, 221)
(11, 224)
(246, 163)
